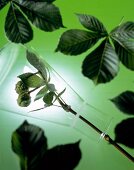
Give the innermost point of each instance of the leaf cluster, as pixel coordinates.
(41, 81)
(102, 64)
(21, 14)
(30, 144)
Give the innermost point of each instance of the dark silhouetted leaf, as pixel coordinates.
(102, 64)
(43, 15)
(3, 3)
(92, 23)
(62, 157)
(30, 144)
(124, 132)
(48, 98)
(41, 93)
(75, 41)
(38, 63)
(125, 102)
(17, 28)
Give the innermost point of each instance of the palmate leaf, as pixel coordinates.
(30, 144)
(102, 64)
(125, 102)
(43, 15)
(3, 3)
(62, 157)
(124, 132)
(17, 28)
(38, 63)
(92, 23)
(76, 41)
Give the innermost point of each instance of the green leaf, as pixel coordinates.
(59, 95)
(3, 3)
(24, 76)
(43, 15)
(17, 28)
(62, 157)
(125, 102)
(124, 133)
(48, 98)
(38, 63)
(125, 30)
(31, 80)
(102, 64)
(92, 23)
(75, 41)
(34, 81)
(30, 144)
(41, 93)
(125, 50)
(51, 87)
(123, 39)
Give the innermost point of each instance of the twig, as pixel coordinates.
(106, 136)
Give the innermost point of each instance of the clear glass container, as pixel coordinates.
(84, 121)
(13, 63)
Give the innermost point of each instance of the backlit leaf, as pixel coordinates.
(92, 23)
(102, 64)
(38, 63)
(48, 98)
(24, 76)
(75, 41)
(41, 93)
(17, 28)
(59, 95)
(34, 81)
(31, 80)
(125, 102)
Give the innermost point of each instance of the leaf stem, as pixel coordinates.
(121, 20)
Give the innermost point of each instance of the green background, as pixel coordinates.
(96, 154)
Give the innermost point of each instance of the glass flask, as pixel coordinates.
(13, 63)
